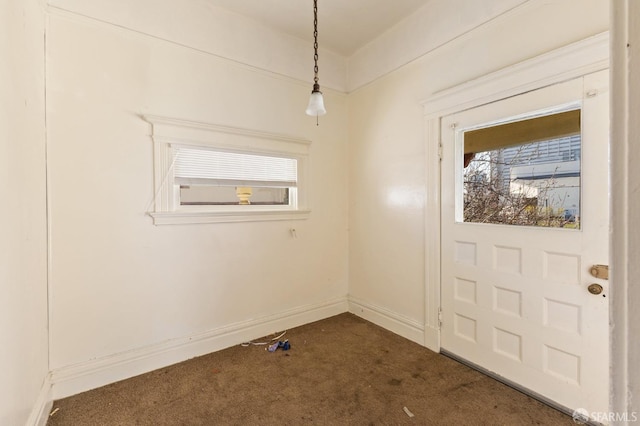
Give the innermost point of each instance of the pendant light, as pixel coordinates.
(316, 102)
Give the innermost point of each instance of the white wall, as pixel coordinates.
(122, 288)
(23, 246)
(222, 33)
(386, 148)
(435, 24)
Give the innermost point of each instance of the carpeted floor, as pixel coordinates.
(339, 371)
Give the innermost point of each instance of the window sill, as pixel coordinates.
(181, 218)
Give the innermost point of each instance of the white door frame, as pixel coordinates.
(566, 63)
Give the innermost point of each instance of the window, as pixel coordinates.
(524, 172)
(207, 173)
(210, 177)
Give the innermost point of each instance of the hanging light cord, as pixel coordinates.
(316, 86)
(316, 102)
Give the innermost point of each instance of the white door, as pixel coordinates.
(515, 299)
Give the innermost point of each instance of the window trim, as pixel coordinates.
(166, 131)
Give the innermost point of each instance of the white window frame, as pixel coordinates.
(167, 132)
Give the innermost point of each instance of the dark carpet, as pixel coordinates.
(339, 371)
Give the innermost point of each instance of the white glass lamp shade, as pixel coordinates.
(316, 104)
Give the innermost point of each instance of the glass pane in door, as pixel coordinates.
(525, 172)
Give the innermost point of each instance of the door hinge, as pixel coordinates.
(440, 151)
(439, 317)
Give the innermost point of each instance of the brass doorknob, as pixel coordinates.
(595, 289)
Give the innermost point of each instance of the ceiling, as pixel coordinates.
(344, 26)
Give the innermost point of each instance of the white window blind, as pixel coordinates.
(200, 166)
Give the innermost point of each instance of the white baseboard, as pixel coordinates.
(387, 319)
(42, 407)
(71, 380)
